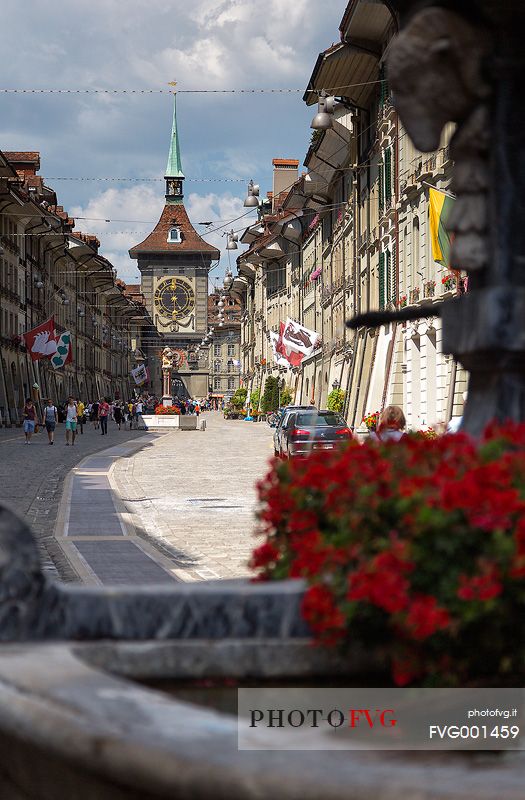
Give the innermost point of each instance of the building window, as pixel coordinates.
(231, 383)
(216, 366)
(216, 383)
(231, 349)
(216, 349)
(174, 235)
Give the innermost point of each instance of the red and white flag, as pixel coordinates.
(296, 337)
(289, 353)
(278, 358)
(41, 341)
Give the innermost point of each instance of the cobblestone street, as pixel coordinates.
(195, 494)
(152, 508)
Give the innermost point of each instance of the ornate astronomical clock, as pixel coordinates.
(174, 299)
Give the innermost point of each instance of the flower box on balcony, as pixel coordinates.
(429, 289)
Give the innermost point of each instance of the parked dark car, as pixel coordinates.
(279, 428)
(309, 429)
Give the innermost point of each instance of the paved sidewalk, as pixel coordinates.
(92, 527)
(32, 479)
(157, 507)
(194, 493)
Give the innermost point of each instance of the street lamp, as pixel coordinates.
(326, 106)
(232, 237)
(335, 384)
(251, 200)
(228, 280)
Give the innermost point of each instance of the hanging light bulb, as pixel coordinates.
(251, 200)
(231, 244)
(221, 324)
(220, 304)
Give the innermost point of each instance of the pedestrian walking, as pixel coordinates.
(139, 408)
(29, 414)
(81, 418)
(103, 413)
(117, 415)
(94, 415)
(49, 420)
(71, 421)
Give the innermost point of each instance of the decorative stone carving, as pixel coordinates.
(435, 70)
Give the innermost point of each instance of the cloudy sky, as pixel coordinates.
(144, 44)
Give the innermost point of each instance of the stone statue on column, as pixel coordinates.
(167, 366)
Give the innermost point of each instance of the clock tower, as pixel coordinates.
(174, 262)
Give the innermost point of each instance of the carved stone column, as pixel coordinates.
(467, 66)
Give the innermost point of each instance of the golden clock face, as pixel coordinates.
(174, 298)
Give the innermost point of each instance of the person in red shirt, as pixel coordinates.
(103, 413)
(29, 419)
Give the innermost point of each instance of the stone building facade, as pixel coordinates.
(47, 268)
(225, 349)
(352, 235)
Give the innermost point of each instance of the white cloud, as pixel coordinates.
(134, 213)
(144, 44)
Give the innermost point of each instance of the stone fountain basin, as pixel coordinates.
(69, 728)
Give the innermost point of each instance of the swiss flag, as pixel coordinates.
(41, 341)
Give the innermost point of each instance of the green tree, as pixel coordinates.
(270, 398)
(286, 396)
(239, 398)
(254, 399)
(336, 400)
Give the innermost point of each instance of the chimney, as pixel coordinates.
(285, 173)
(26, 164)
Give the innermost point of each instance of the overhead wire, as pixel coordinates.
(260, 90)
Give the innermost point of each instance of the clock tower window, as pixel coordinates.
(174, 235)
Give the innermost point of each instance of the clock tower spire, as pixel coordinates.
(174, 262)
(174, 175)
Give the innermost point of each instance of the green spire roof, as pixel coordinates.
(174, 167)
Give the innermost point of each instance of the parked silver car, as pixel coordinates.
(285, 414)
(309, 429)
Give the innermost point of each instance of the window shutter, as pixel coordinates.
(381, 280)
(388, 173)
(381, 189)
(388, 277)
(393, 271)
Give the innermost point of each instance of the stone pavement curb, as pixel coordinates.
(94, 532)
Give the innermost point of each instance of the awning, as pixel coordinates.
(329, 155)
(346, 70)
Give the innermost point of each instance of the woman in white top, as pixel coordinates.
(71, 421)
